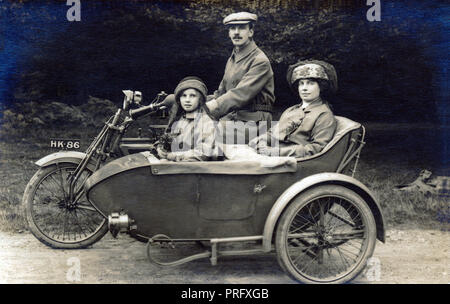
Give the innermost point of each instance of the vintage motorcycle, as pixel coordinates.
(322, 223)
(56, 208)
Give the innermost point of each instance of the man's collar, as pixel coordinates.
(244, 52)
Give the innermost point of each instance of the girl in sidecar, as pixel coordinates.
(193, 130)
(306, 128)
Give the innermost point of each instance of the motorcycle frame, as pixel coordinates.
(112, 132)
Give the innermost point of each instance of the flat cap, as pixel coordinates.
(240, 18)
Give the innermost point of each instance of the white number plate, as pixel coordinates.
(70, 144)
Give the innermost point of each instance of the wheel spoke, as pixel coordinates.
(90, 221)
(305, 252)
(343, 254)
(308, 222)
(302, 235)
(347, 253)
(64, 225)
(310, 263)
(309, 211)
(78, 222)
(341, 219)
(297, 222)
(321, 226)
(86, 207)
(61, 178)
(356, 234)
(50, 192)
(80, 191)
(350, 243)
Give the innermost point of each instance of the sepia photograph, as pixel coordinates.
(205, 143)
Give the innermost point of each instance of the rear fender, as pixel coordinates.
(63, 157)
(316, 180)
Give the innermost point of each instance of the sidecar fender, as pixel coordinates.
(316, 180)
(61, 157)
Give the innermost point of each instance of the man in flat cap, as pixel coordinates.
(246, 92)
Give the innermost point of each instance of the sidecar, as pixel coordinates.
(322, 222)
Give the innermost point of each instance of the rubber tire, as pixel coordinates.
(302, 200)
(28, 201)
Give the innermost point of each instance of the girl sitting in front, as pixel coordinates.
(193, 130)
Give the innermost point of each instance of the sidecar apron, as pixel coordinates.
(195, 200)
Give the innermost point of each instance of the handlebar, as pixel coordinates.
(136, 113)
(162, 94)
(154, 106)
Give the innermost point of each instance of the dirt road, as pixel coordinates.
(408, 256)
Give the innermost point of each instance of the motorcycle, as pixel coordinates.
(56, 208)
(322, 222)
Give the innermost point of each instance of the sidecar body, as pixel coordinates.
(250, 200)
(205, 200)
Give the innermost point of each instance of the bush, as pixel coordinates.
(36, 118)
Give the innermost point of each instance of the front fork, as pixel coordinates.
(100, 157)
(100, 147)
(74, 196)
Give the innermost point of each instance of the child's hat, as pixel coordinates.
(191, 82)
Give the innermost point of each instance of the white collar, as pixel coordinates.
(305, 104)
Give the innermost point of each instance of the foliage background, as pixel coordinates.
(388, 71)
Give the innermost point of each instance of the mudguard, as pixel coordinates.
(316, 180)
(61, 157)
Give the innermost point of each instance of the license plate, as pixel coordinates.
(65, 143)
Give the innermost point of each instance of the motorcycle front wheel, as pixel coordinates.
(54, 218)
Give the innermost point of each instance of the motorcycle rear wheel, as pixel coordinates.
(53, 218)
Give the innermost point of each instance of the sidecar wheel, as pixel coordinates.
(325, 235)
(52, 218)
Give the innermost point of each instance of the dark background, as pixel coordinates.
(390, 72)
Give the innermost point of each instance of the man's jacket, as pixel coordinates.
(247, 84)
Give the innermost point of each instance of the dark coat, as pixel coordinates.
(299, 132)
(305, 132)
